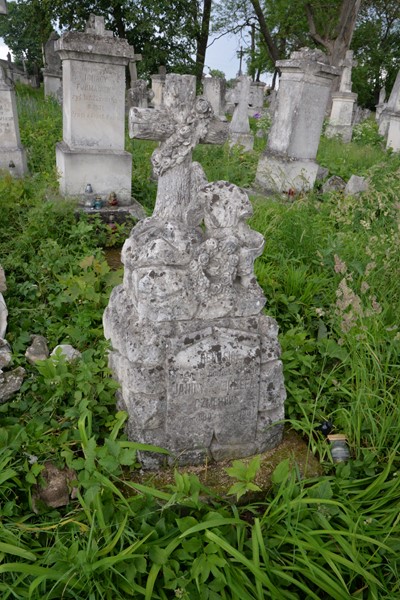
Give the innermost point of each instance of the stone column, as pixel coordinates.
(12, 153)
(214, 91)
(304, 89)
(157, 85)
(52, 73)
(340, 122)
(92, 150)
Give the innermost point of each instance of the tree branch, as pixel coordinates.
(269, 42)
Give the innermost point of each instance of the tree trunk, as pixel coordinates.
(202, 40)
(266, 35)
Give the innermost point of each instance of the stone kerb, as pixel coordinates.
(304, 90)
(92, 150)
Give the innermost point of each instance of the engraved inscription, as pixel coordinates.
(212, 382)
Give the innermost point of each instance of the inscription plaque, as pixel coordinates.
(213, 379)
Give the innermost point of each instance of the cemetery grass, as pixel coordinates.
(330, 275)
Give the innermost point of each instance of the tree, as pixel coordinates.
(25, 29)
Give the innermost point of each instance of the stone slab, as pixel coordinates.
(281, 174)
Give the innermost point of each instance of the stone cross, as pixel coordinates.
(96, 26)
(180, 124)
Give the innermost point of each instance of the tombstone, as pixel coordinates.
(239, 128)
(341, 119)
(12, 153)
(197, 361)
(381, 103)
(389, 108)
(393, 117)
(288, 164)
(52, 72)
(157, 85)
(139, 95)
(214, 91)
(271, 100)
(256, 97)
(92, 150)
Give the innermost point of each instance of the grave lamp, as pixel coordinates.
(88, 189)
(11, 164)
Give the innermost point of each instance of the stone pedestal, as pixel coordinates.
(214, 91)
(92, 150)
(393, 136)
(304, 89)
(340, 123)
(12, 153)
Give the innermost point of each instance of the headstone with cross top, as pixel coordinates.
(180, 124)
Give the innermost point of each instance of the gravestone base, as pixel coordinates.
(282, 174)
(16, 156)
(344, 132)
(106, 171)
(242, 139)
(393, 137)
(204, 389)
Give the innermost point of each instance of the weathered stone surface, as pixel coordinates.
(5, 354)
(94, 113)
(10, 382)
(3, 316)
(197, 362)
(55, 490)
(12, 153)
(38, 349)
(288, 163)
(239, 129)
(322, 173)
(214, 90)
(391, 107)
(334, 184)
(157, 86)
(356, 185)
(52, 72)
(139, 94)
(69, 352)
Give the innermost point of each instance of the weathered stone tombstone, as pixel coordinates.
(393, 116)
(157, 85)
(214, 90)
(12, 153)
(239, 128)
(288, 164)
(52, 72)
(197, 362)
(389, 108)
(341, 119)
(256, 97)
(381, 103)
(92, 150)
(139, 95)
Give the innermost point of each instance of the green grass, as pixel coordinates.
(330, 274)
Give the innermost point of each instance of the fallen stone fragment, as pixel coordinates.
(333, 184)
(5, 354)
(356, 185)
(56, 489)
(69, 352)
(38, 349)
(10, 383)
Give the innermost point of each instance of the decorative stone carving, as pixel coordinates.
(197, 362)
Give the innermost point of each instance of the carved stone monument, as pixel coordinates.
(288, 163)
(52, 72)
(197, 361)
(214, 91)
(381, 103)
(341, 119)
(239, 128)
(389, 108)
(12, 153)
(92, 150)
